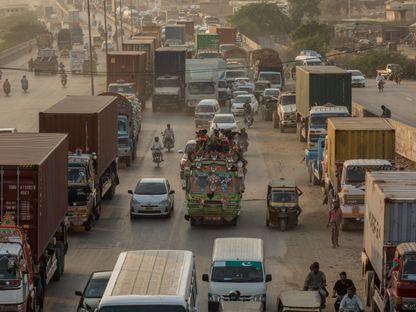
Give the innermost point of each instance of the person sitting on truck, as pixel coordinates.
(340, 289)
(386, 112)
(351, 302)
(157, 147)
(316, 280)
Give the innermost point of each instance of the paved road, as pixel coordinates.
(401, 99)
(271, 155)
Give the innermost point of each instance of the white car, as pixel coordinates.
(357, 78)
(223, 122)
(237, 106)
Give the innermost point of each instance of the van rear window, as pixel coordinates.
(237, 272)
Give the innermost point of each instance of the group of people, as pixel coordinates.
(344, 290)
(7, 88)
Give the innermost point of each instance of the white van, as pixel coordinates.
(237, 266)
(275, 78)
(152, 280)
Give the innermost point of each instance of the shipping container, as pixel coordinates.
(152, 29)
(90, 121)
(319, 85)
(358, 138)
(175, 32)
(73, 18)
(129, 66)
(36, 165)
(207, 42)
(144, 45)
(189, 29)
(390, 217)
(228, 35)
(170, 61)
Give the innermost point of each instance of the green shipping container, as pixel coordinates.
(319, 85)
(207, 42)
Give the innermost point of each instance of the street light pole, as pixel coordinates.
(90, 45)
(105, 27)
(131, 18)
(121, 24)
(115, 20)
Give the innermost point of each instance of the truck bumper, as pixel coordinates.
(353, 212)
(213, 215)
(124, 151)
(289, 123)
(77, 215)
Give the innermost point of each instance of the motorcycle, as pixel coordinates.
(242, 145)
(6, 90)
(380, 85)
(248, 120)
(64, 81)
(157, 157)
(25, 86)
(168, 142)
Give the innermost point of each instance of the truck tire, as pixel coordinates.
(310, 172)
(281, 127)
(61, 246)
(283, 224)
(87, 225)
(134, 154)
(193, 221)
(369, 277)
(128, 161)
(275, 120)
(59, 253)
(154, 107)
(96, 210)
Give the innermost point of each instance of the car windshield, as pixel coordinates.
(223, 119)
(8, 267)
(283, 197)
(150, 188)
(409, 268)
(237, 272)
(201, 88)
(96, 287)
(242, 99)
(272, 77)
(356, 73)
(235, 74)
(125, 89)
(77, 174)
(143, 308)
(289, 99)
(205, 109)
(356, 174)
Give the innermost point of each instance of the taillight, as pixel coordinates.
(13, 283)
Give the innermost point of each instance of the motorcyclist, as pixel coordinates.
(351, 302)
(380, 80)
(157, 147)
(247, 110)
(340, 289)
(61, 67)
(386, 112)
(25, 83)
(64, 78)
(316, 280)
(6, 86)
(168, 134)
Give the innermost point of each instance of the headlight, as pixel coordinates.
(258, 298)
(212, 297)
(164, 202)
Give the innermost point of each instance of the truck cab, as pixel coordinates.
(198, 90)
(127, 89)
(275, 78)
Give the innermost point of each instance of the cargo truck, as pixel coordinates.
(227, 35)
(201, 80)
(64, 39)
(91, 123)
(169, 85)
(174, 35)
(33, 231)
(354, 139)
(207, 45)
(129, 126)
(129, 67)
(44, 40)
(46, 62)
(265, 64)
(317, 86)
(389, 250)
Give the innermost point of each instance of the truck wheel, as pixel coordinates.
(369, 277)
(97, 211)
(281, 127)
(87, 225)
(283, 224)
(61, 246)
(193, 221)
(310, 172)
(134, 154)
(267, 220)
(128, 161)
(58, 272)
(154, 108)
(275, 120)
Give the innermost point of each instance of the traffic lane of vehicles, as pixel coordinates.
(400, 99)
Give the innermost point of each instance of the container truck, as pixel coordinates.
(316, 86)
(174, 35)
(389, 250)
(207, 43)
(91, 123)
(64, 39)
(354, 139)
(33, 231)
(201, 80)
(169, 85)
(129, 67)
(227, 35)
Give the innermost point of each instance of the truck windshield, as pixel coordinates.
(272, 77)
(409, 268)
(8, 267)
(283, 197)
(235, 74)
(124, 89)
(289, 99)
(77, 195)
(143, 308)
(237, 272)
(356, 174)
(201, 88)
(77, 174)
(320, 120)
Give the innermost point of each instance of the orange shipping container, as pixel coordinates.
(228, 35)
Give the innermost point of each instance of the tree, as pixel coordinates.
(261, 19)
(300, 9)
(311, 35)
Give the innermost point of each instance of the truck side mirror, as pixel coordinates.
(130, 192)
(78, 293)
(268, 278)
(205, 277)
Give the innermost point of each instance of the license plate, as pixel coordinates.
(213, 218)
(149, 208)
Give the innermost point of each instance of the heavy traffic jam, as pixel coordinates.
(181, 71)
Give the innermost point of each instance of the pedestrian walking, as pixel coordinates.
(335, 219)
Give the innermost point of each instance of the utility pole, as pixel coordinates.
(121, 24)
(131, 18)
(105, 27)
(115, 20)
(90, 45)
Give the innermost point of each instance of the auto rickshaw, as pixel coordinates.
(299, 301)
(282, 204)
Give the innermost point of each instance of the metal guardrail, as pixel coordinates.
(15, 52)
